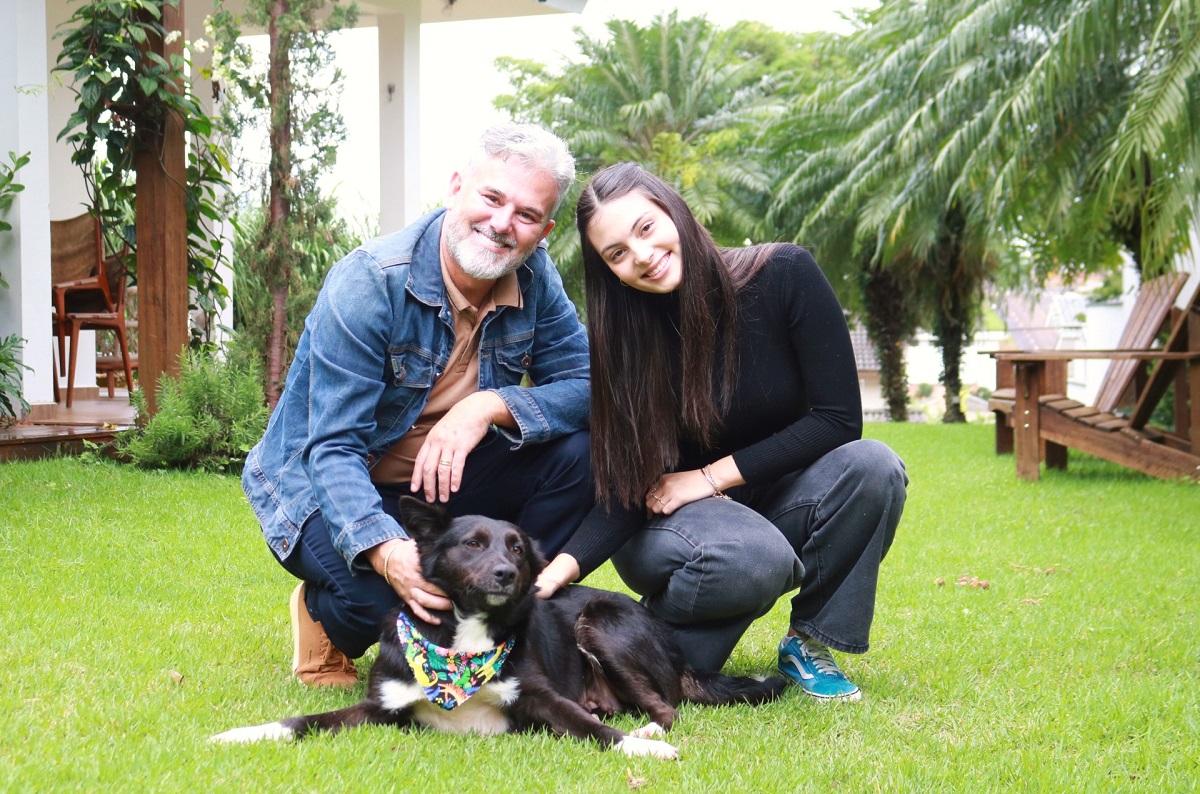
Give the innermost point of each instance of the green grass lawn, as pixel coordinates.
(142, 613)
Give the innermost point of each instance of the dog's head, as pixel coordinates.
(482, 564)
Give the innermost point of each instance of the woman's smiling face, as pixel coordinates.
(639, 242)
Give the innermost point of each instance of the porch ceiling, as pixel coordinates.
(461, 10)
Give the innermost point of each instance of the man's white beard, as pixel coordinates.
(478, 262)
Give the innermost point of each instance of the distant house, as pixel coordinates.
(869, 384)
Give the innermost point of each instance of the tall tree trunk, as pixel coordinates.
(959, 291)
(277, 230)
(890, 323)
(952, 337)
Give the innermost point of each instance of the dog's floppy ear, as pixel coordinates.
(537, 561)
(423, 522)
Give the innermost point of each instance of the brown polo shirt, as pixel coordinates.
(459, 379)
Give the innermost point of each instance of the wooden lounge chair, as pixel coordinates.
(1150, 312)
(1044, 422)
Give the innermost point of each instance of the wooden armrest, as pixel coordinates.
(1069, 355)
(90, 281)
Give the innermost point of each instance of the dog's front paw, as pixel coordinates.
(649, 730)
(635, 746)
(255, 733)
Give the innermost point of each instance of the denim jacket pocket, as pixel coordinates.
(410, 376)
(514, 360)
(410, 369)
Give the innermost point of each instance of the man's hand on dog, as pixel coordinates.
(404, 573)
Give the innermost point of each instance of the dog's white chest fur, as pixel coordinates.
(483, 712)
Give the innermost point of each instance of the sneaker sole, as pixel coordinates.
(851, 697)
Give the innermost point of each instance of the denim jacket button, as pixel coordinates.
(526, 361)
(286, 544)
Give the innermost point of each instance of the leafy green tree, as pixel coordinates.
(681, 97)
(295, 100)
(327, 239)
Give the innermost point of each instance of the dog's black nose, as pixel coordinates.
(505, 574)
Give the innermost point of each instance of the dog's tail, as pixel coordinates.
(294, 728)
(715, 689)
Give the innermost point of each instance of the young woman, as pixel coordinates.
(726, 437)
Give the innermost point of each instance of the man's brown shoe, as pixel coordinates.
(315, 660)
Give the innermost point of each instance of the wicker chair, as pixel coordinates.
(88, 292)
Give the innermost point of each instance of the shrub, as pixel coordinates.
(10, 346)
(208, 418)
(10, 380)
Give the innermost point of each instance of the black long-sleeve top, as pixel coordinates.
(796, 395)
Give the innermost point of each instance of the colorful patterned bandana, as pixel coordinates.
(447, 676)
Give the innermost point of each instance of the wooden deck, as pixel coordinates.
(57, 430)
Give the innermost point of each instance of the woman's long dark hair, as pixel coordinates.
(663, 366)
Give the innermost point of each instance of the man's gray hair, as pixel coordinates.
(536, 147)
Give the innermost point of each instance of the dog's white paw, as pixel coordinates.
(635, 746)
(274, 731)
(649, 730)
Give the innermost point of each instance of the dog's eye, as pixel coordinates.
(518, 550)
(473, 544)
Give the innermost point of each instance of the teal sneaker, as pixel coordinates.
(811, 665)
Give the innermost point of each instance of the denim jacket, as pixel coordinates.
(380, 333)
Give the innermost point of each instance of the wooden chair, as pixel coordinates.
(110, 365)
(1118, 428)
(96, 317)
(76, 264)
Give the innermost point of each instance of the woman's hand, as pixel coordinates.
(674, 490)
(561, 571)
(403, 573)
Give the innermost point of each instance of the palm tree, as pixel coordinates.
(1101, 128)
(680, 97)
(1068, 126)
(876, 199)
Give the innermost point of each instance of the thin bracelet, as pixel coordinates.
(386, 559)
(717, 492)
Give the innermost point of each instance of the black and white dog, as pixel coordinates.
(504, 660)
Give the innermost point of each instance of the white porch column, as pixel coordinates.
(194, 13)
(399, 127)
(25, 251)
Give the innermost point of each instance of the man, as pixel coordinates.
(408, 379)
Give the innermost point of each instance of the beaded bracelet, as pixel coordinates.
(717, 492)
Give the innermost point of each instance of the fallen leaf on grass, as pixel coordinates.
(972, 581)
(176, 676)
(940, 582)
(635, 782)
(1033, 601)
